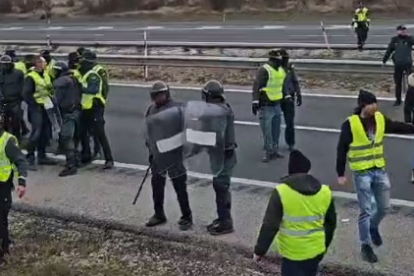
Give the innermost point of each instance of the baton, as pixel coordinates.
(142, 185)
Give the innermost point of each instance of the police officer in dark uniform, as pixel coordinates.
(400, 48)
(292, 97)
(68, 98)
(11, 88)
(160, 96)
(213, 92)
(12, 157)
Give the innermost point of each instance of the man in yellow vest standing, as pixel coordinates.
(267, 97)
(37, 93)
(361, 142)
(300, 220)
(93, 107)
(360, 23)
(13, 161)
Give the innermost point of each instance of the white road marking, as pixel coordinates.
(54, 28)
(11, 28)
(101, 28)
(209, 28)
(154, 27)
(245, 181)
(232, 90)
(270, 27)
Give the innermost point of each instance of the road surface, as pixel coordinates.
(282, 32)
(126, 109)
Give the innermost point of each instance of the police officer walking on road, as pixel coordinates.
(292, 98)
(361, 23)
(161, 98)
(68, 98)
(12, 158)
(301, 216)
(11, 88)
(267, 98)
(400, 51)
(213, 93)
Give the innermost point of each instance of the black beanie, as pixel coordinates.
(365, 98)
(298, 163)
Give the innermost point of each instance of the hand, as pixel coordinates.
(21, 191)
(255, 108)
(257, 258)
(299, 100)
(342, 180)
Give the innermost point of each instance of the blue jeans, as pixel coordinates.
(373, 192)
(270, 118)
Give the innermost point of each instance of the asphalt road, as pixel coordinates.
(126, 109)
(285, 32)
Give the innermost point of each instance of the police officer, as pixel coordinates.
(68, 98)
(73, 64)
(37, 93)
(400, 48)
(12, 158)
(301, 215)
(267, 98)
(361, 23)
(11, 88)
(160, 96)
(213, 92)
(93, 107)
(291, 98)
(50, 62)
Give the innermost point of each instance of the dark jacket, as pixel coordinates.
(67, 92)
(306, 185)
(16, 156)
(291, 86)
(105, 79)
(345, 138)
(11, 87)
(259, 83)
(400, 48)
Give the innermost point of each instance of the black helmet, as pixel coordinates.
(11, 53)
(81, 50)
(276, 54)
(212, 89)
(46, 55)
(284, 53)
(89, 55)
(159, 87)
(73, 57)
(61, 66)
(5, 59)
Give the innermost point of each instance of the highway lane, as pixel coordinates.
(125, 129)
(194, 31)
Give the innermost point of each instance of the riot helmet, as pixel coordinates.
(212, 91)
(285, 57)
(11, 53)
(73, 60)
(60, 67)
(160, 93)
(6, 64)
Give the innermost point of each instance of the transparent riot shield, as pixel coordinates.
(205, 127)
(55, 119)
(164, 139)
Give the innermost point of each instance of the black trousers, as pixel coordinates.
(40, 134)
(92, 121)
(5, 206)
(14, 117)
(288, 109)
(362, 35)
(301, 268)
(399, 71)
(68, 134)
(158, 194)
(409, 106)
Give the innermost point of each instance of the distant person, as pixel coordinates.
(400, 49)
(361, 23)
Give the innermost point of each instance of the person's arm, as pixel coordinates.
(389, 51)
(271, 224)
(295, 80)
(330, 224)
(345, 140)
(29, 88)
(93, 84)
(260, 82)
(398, 127)
(230, 131)
(16, 156)
(20, 82)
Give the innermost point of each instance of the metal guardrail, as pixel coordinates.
(309, 65)
(196, 45)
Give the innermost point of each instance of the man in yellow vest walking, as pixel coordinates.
(361, 142)
(267, 97)
(360, 23)
(300, 220)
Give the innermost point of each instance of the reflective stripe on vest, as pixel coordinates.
(77, 75)
(6, 166)
(363, 153)
(274, 86)
(21, 67)
(43, 86)
(87, 99)
(301, 235)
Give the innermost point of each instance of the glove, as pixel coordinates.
(299, 100)
(150, 158)
(255, 108)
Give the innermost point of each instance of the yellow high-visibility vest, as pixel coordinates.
(43, 86)
(362, 14)
(274, 86)
(49, 68)
(77, 74)
(87, 99)
(302, 235)
(6, 167)
(364, 153)
(21, 67)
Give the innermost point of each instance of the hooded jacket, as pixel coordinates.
(306, 185)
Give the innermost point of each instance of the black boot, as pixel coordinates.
(368, 254)
(68, 171)
(375, 236)
(221, 228)
(185, 223)
(397, 103)
(156, 220)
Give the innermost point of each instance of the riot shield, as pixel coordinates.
(205, 127)
(164, 139)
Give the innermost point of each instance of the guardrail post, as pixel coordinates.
(145, 54)
(325, 36)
